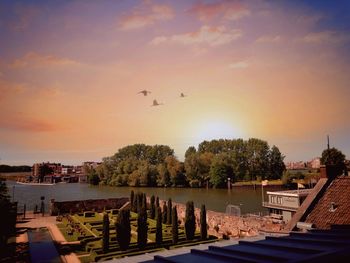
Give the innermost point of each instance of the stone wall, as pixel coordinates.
(222, 224)
(97, 205)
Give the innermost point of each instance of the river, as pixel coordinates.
(249, 200)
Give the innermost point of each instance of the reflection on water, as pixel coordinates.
(215, 199)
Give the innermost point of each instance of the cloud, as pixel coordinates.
(239, 65)
(268, 39)
(212, 36)
(33, 59)
(145, 15)
(11, 89)
(229, 10)
(324, 37)
(18, 122)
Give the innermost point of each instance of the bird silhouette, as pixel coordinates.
(144, 92)
(155, 103)
(182, 95)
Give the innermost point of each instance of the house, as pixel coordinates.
(283, 204)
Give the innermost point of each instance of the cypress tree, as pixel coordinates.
(190, 221)
(132, 196)
(105, 233)
(123, 229)
(164, 215)
(144, 201)
(152, 208)
(142, 228)
(157, 202)
(139, 202)
(135, 203)
(159, 231)
(175, 226)
(203, 220)
(170, 207)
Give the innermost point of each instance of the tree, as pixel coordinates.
(142, 228)
(332, 156)
(191, 150)
(157, 201)
(132, 196)
(203, 220)
(220, 170)
(159, 231)
(152, 207)
(144, 201)
(169, 210)
(165, 211)
(277, 166)
(93, 177)
(190, 221)
(175, 226)
(123, 229)
(105, 233)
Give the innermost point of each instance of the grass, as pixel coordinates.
(271, 182)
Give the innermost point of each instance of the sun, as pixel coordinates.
(216, 129)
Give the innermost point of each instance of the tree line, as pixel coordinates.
(213, 164)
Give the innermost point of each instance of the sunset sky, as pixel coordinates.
(70, 73)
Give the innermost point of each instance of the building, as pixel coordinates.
(283, 204)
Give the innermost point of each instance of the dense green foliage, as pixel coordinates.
(142, 228)
(203, 222)
(159, 232)
(214, 162)
(14, 169)
(332, 156)
(190, 221)
(169, 211)
(105, 233)
(123, 228)
(175, 225)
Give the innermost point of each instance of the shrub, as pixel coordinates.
(123, 229)
(159, 233)
(170, 207)
(142, 228)
(105, 233)
(175, 226)
(190, 221)
(152, 208)
(165, 212)
(203, 220)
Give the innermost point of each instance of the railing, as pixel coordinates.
(278, 206)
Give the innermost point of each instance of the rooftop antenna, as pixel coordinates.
(328, 142)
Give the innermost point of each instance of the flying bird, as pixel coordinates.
(182, 95)
(144, 92)
(155, 103)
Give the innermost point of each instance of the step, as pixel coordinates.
(223, 256)
(307, 240)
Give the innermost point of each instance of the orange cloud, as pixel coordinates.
(230, 10)
(145, 15)
(212, 36)
(239, 65)
(33, 59)
(26, 124)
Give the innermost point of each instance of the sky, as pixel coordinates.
(71, 73)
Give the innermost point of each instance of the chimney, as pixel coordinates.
(331, 171)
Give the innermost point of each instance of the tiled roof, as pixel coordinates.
(324, 214)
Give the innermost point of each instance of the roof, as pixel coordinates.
(338, 193)
(313, 246)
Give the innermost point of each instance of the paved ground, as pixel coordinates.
(38, 221)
